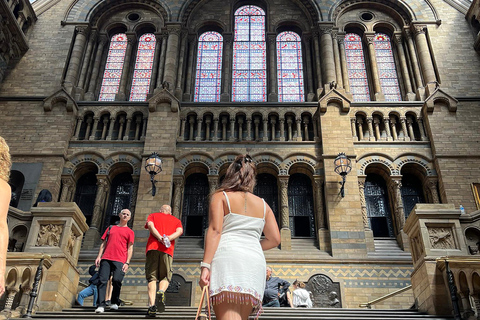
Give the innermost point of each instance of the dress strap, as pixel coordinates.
(228, 202)
(264, 208)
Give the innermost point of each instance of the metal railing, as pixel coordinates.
(369, 304)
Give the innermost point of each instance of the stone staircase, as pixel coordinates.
(387, 248)
(188, 313)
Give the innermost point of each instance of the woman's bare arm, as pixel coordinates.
(270, 230)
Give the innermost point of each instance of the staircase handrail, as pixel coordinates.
(385, 297)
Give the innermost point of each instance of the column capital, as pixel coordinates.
(325, 30)
(82, 30)
(397, 37)
(175, 29)
(103, 39)
(368, 37)
(419, 29)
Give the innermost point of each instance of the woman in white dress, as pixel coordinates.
(233, 262)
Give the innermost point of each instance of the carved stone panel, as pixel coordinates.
(441, 238)
(179, 291)
(49, 235)
(325, 292)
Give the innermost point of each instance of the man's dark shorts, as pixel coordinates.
(158, 266)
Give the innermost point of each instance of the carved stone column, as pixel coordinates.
(215, 129)
(404, 128)
(424, 54)
(180, 68)
(133, 206)
(272, 44)
(307, 44)
(396, 188)
(191, 121)
(376, 126)
(199, 129)
(161, 64)
(413, 57)
(328, 60)
(285, 232)
(397, 38)
(68, 184)
(249, 130)
(88, 129)
(71, 77)
(305, 127)
(360, 129)
(411, 134)
(370, 129)
(366, 223)
(369, 37)
(353, 128)
(232, 130)
(343, 60)
(431, 184)
(336, 55)
(171, 59)
(92, 235)
(299, 129)
(318, 67)
(282, 129)
(227, 67)
(394, 128)
(422, 129)
(95, 127)
(178, 184)
(322, 232)
(208, 122)
(78, 127)
(192, 45)
(240, 128)
(386, 123)
(182, 129)
(212, 183)
(122, 88)
(96, 68)
(273, 129)
(265, 129)
(86, 60)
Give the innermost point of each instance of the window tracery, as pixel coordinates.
(387, 71)
(113, 67)
(290, 67)
(357, 72)
(209, 67)
(142, 75)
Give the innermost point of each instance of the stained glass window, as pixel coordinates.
(357, 72)
(289, 67)
(249, 55)
(209, 67)
(142, 75)
(113, 67)
(386, 67)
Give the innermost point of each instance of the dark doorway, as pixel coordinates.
(195, 205)
(120, 198)
(267, 189)
(378, 209)
(85, 194)
(412, 193)
(300, 206)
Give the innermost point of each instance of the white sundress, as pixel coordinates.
(238, 268)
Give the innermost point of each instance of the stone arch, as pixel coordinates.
(76, 160)
(367, 160)
(131, 159)
(298, 158)
(199, 158)
(417, 159)
(222, 160)
(268, 159)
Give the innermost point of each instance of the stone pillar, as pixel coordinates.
(191, 122)
(181, 134)
(322, 232)
(78, 127)
(178, 87)
(354, 129)
(133, 206)
(232, 129)
(208, 121)
(138, 122)
(370, 129)
(336, 55)
(307, 44)
(328, 60)
(273, 130)
(161, 64)
(240, 128)
(212, 183)
(343, 60)
(256, 122)
(199, 129)
(71, 77)
(376, 127)
(411, 134)
(397, 38)
(144, 129)
(94, 129)
(422, 129)
(305, 128)
(96, 68)
(249, 130)
(88, 129)
(192, 42)
(394, 129)
(434, 231)
(86, 61)
(360, 129)
(126, 136)
(92, 235)
(396, 191)
(224, 128)
(404, 129)
(366, 223)
(424, 54)
(68, 184)
(282, 129)
(386, 123)
(122, 88)
(178, 183)
(57, 230)
(215, 129)
(227, 67)
(272, 46)
(171, 58)
(413, 57)
(431, 185)
(265, 129)
(285, 232)
(299, 129)
(318, 67)
(369, 36)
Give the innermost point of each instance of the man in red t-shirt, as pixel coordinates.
(114, 257)
(164, 229)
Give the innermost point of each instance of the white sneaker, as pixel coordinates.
(100, 310)
(114, 306)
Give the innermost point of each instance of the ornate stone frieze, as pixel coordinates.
(49, 235)
(441, 238)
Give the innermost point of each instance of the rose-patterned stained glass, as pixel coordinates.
(113, 67)
(209, 67)
(387, 72)
(357, 72)
(249, 80)
(143, 68)
(290, 67)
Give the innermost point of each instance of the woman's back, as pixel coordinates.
(243, 203)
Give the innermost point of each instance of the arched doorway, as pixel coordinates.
(120, 198)
(300, 206)
(412, 193)
(195, 205)
(378, 209)
(85, 194)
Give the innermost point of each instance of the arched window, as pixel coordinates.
(357, 72)
(378, 210)
(412, 193)
(85, 194)
(266, 188)
(120, 198)
(142, 75)
(249, 55)
(300, 206)
(386, 67)
(195, 205)
(289, 67)
(209, 67)
(113, 67)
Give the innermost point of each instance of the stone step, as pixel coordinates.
(188, 313)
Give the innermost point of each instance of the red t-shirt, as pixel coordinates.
(165, 224)
(116, 248)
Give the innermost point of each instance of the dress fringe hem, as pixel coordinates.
(240, 298)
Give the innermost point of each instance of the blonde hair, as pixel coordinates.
(5, 161)
(240, 175)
